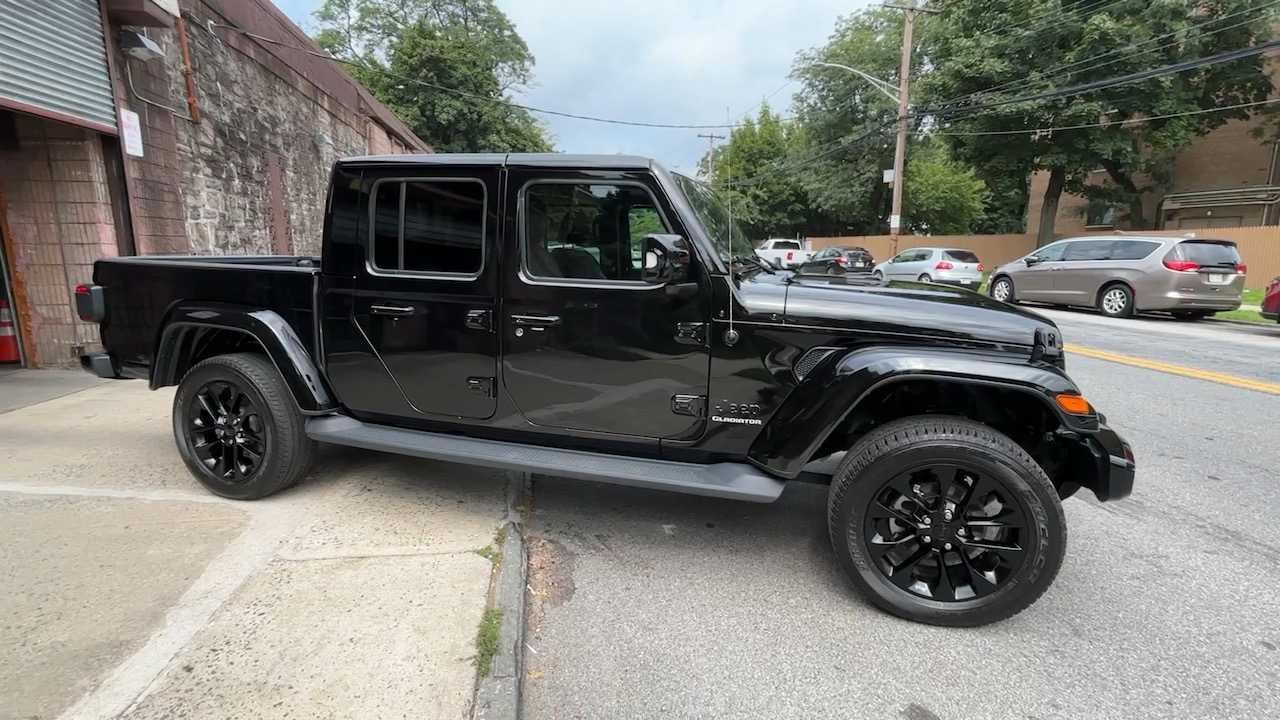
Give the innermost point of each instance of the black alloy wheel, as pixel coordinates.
(238, 429)
(226, 431)
(947, 521)
(946, 532)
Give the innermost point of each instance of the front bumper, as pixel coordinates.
(1115, 465)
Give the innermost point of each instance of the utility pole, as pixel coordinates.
(904, 86)
(711, 158)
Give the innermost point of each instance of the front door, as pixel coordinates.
(1035, 282)
(425, 299)
(587, 345)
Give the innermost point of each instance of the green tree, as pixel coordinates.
(774, 204)
(405, 51)
(942, 197)
(980, 50)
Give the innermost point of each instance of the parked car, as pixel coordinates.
(1271, 301)
(1191, 278)
(838, 261)
(786, 254)
(435, 327)
(951, 266)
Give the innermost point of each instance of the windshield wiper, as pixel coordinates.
(753, 259)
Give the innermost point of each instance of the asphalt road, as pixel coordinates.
(650, 605)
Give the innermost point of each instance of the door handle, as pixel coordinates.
(392, 310)
(1054, 269)
(537, 322)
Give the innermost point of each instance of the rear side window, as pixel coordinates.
(429, 226)
(786, 245)
(963, 256)
(1207, 254)
(1132, 249)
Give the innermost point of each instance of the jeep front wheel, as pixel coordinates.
(945, 521)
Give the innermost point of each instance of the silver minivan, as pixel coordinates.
(952, 266)
(1189, 277)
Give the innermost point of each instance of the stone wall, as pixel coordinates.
(57, 222)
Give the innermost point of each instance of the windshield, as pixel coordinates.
(715, 219)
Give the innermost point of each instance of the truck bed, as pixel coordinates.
(158, 284)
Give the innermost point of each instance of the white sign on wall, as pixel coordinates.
(131, 132)
(169, 6)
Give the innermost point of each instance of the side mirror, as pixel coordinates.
(666, 260)
(1031, 260)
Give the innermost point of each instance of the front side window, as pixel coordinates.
(588, 231)
(1052, 253)
(434, 226)
(1089, 250)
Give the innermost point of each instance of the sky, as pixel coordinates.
(690, 62)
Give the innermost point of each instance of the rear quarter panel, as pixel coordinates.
(141, 293)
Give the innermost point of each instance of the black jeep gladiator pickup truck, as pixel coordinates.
(602, 318)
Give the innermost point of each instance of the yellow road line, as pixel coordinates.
(1233, 380)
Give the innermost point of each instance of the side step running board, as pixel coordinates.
(735, 481)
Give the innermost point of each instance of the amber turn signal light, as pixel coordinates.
(1074, 404)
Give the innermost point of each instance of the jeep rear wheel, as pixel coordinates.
(943, 520)
(238, 430)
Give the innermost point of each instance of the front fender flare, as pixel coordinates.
(839, 383)
(277, 338)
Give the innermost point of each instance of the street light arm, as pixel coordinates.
(877, 83)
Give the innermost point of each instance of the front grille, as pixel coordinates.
(810, 360)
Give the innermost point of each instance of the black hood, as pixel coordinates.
(861, 303)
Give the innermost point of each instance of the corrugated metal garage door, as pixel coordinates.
(52, 58)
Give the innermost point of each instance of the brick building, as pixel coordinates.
(161, 126)
(1228, 178)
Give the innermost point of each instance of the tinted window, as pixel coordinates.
(587, 231)
(1052, 253)
(1208, 253)
(1089, 250)
(433, 227)
(855, 251)
(921, 255)
(1132, 249)
(963, 256)
(786, 245)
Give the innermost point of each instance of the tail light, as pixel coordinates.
(842, 260)
(790, 255)
(979, 267)
(943, 265)
(1241, 268)
(1182, 265)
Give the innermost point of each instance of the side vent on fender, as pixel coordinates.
(810, 360)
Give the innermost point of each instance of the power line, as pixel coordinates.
(1108, 82)
(1084, 126)
(469, 95)
(842, 144)
(1178, 39)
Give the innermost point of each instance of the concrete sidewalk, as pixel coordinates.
(131, 592)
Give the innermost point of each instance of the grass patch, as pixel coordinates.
(488, 553)
(1246, 315)
(487, 640)
(1251, 297)
(501, 537)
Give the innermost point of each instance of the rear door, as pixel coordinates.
(1219, 269)
(423, 302)
(1085, 265)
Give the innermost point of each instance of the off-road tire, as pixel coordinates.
(288, 451)
(1106, 307)
(880, 455)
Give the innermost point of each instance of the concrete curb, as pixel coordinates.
(498, 694)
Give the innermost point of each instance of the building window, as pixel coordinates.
(1101, 214)
(434, 226)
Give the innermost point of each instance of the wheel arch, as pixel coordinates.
(845, 397)
(1104, 286)
(194, 332)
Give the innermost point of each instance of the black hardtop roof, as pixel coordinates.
(545, 160)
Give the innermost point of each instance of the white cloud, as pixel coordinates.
(664, 61)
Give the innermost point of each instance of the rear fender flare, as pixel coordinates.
(834, 389)
(277, 338)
